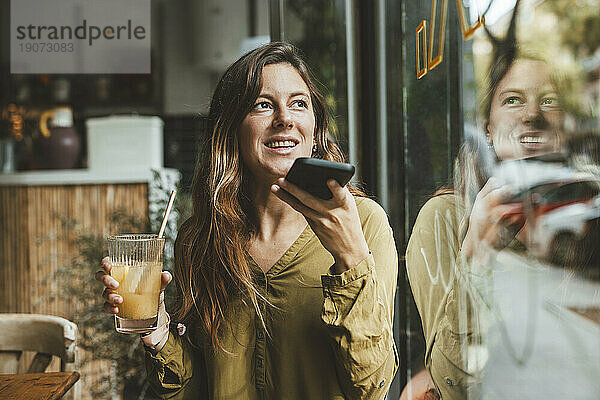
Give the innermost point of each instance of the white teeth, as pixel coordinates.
(533, 139)
(281, 143)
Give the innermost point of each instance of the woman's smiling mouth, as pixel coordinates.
(281, 144)
(534, 140)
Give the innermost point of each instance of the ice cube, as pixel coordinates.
(132, 279)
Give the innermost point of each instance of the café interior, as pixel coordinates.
(89, 150)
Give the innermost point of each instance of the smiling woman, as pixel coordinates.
(525, 117)
(281, 125)
(283, 294)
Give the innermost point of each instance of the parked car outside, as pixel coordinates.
(558, 202)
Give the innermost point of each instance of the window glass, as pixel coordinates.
(318, 28)
(503, 264)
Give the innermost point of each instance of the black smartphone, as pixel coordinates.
(311, 174)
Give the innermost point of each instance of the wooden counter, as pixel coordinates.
(35, 243)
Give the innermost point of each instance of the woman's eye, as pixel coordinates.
(512, 101)
(263, 105)
(301, 103)
(549, 102)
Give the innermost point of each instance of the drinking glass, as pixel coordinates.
(137, 261)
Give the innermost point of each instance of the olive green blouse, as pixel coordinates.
(465, 315)
(443, 286)
(327, 336)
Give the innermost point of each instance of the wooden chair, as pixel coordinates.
(46, 335)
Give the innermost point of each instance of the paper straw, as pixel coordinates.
(166, 217)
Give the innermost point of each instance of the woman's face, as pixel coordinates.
(280, 126)
(525, 117)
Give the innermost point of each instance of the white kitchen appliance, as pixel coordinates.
(121, 142)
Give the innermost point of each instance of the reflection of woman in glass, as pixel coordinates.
(283, 297)
(524, 120)
(458, 228)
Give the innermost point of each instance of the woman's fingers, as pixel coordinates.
(302, 196)
(503, 212)
(492, 194)
(340, 193)
(110, 309)
(111, 297)
(490, 185)
(103, 276)
(165, 279)
(294, 203)
(106, 280)
(105, 263)
(501, 195)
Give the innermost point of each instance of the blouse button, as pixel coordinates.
(260, 335)
(382, 383)
(449, 382)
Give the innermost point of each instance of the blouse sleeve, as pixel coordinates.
(178, 370)
(358, 312)
(171, 370)
(431, 257)
(436, 272)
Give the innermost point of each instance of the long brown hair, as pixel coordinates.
(211, 266)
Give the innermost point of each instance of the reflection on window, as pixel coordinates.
(515, 232)
(318, 28)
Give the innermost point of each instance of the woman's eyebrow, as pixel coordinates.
(293, 94)
(542, 89)
(265, 96)
(511, 90)
(299, 93)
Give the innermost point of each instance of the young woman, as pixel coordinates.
(284, 295)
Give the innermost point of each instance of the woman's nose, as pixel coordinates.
(533, 112)
(283, 119)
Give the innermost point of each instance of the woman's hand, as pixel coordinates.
(492, 221)
(112, 299)
(420, 387)
(335, 221)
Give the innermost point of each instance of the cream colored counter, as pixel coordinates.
(81, 176)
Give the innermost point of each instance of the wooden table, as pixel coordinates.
(42, 386)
